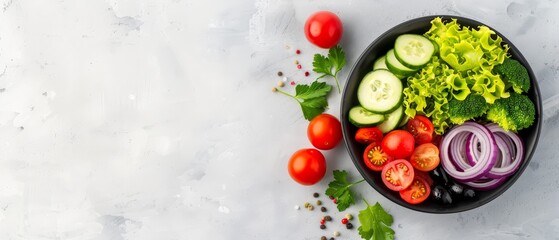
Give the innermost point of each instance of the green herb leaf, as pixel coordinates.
(339, 189)
(331, 65)
(375, 223)
(312, 98)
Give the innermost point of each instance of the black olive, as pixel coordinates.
(456, 189)
(469, 193)
(440, 176)
(447, 198)
(437, 193)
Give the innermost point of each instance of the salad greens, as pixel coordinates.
(469, 62)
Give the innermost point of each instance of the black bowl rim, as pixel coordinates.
(499, 191)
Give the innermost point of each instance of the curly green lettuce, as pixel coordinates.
(428, 92)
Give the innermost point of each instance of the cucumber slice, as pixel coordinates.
(395, 66)
(380, 91)
(404, 120)
(413, 51)
(392, 120)
(361, 117)
(380, 63)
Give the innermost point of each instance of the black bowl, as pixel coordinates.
(349, 99)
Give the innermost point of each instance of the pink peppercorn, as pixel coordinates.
(344, 220)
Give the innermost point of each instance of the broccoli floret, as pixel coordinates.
(513, 113)
(473, 106)
(514, 75)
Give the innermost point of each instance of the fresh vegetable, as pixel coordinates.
(380, 63)
(397, 175)
(324, 29)
(421, 128)
(413, 50)
(339, 190)
(312, 98)
(361, 117)
(513, 113)
(466, 48)
(375, 223)
(514, 74)
(481, 157)
(417, 192)
(324, 131)
(368, 135)
(392, 120)
(398, 144)
(440, 194)
(473, 106)
(439, 176)
(375, 158)
(396, 67)
(331, 65)
(380, 91)
(427, 94)
(425, 157)
(307, 166)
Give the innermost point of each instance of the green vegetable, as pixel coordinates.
(339, 189)
(514, 74)
(471, 107)
(331, 65)
(464, 48)
(312, 98)
(513, 113)
(428, 92)
(375, 223)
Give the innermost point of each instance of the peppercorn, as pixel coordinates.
(335, 201)
(322, 222)
(280, 73)
(349, 226)
(274, 89)
(298, 51)
(322, 226)
(336, 234)
(344, 221)
(280, 84)
(315, 195)
(332, 238)
(307, 74)
(323, 209)
(349, 216)
(331, 197)
(327, 218)
(318, 202)
(307, 204)
(311, 207)
(323, 238)
(297, 207)
(299, 66)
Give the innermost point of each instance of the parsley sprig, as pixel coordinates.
(339, 188)
(312, 98)
(331, 65)
(375, 223)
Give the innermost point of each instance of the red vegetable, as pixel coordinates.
(324, 29)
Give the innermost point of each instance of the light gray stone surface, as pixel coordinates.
(154, 119)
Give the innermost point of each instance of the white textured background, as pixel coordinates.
(154, 119)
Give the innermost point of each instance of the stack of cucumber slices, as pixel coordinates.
(380, 93)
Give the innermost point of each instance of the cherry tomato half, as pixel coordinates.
(421, 128)
(324, 29)
(324, 131)
(307, 166)
(375, 158)
(425, 157)
(417, 192)
(397, 175)
(368, 135)
(398, 144)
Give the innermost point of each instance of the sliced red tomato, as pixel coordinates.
(421, 128)
(425, 176)
(417, 192)
(375, 158)
(398, 144)
(368, 135)
(425, 157)
(397, 175)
